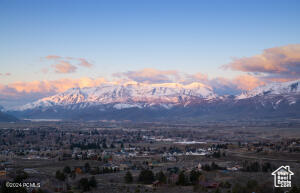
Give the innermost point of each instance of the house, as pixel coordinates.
(154, 164)
(232, 169)
(2, 171)
(282, 176)
(199, 167)
(124, 166)
(170, 158)
(78, 170)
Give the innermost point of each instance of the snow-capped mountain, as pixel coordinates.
(275, 97)
(127, 95)
(134, 101)
(276, 88)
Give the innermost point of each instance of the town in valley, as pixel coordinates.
(111, 156)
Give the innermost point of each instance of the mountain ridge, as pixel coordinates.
(167, 102)
(127, 93)
(273, 88)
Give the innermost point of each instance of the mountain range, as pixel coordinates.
(170, 101)
(4, 117)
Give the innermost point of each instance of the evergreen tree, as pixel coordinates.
(194, 176)
(251, 185)
(92, 182)
(87, 167)
(161, 177)
(67, 170)
(40, 191)
(146, 177)
(21, 175)
(128, 177)
(104, 146)
(214, 166)
(278, 190)
(60, 175)
(112, 146)
(239, 189)
(206, 167)
(181, 179)
(84, 184)
(217, 191)
(294, 189)
(217, 154)
(266, 167)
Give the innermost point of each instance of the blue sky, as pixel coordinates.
(48, 46)
(119, 36)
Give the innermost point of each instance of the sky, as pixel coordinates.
(48, 46)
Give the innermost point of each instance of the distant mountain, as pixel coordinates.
(161, 102)
(126, 96)
(7, 118)
(272, 89)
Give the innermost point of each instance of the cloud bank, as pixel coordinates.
(23, 92)
(275, 64)
(150, 75)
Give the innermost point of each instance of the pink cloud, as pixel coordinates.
(150, 75)
(46, 86)
(64, 67)
(53, 57)
(234, 85)
(197, 77)
(273, 63)
(247, 82)
(84, 62)
(23, 92)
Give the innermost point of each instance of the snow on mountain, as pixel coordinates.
(277, 88)
(166, 96)
(127, 95)
(170, 101)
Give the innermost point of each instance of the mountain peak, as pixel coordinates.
(167, 100)
(150, 94)
(276, 88)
